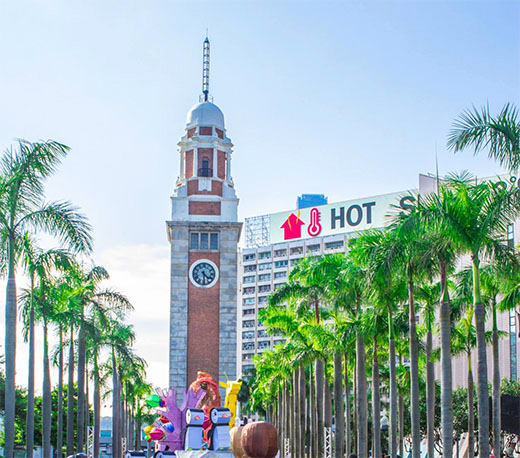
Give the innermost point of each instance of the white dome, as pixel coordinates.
(205, 114)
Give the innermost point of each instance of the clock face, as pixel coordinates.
(204, 274)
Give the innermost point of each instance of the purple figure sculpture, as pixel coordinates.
(176, 416)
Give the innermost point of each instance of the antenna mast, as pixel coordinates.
(205, 72)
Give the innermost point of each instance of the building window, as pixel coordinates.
(262, 299)
(295, 261)
(249, 290)
(264, 288)
(277, 342)
(264, 344)
(206, 131)
(262, 334)
(248, 324)
(248, 312)
(248, 301)
(296, 250)
(250, 279)
(280, 274)
(204, 241)
(313, 248)
(248, 335)
(248, 346)
(264, 255)
(249, 257)
(264, 277)
(250, 268)
(334, 245)
(280, 253)
(247, 357)
(279, 264)
(267, 266)
(278, 285)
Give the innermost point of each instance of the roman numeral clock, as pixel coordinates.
(203, 234)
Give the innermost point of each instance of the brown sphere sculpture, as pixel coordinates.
(236, 444)
(260, 440)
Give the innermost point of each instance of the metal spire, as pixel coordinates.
(205, 72)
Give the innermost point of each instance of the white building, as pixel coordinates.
(274, 243)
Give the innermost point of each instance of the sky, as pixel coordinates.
(347, 99)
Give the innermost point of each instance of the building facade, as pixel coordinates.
(275, 243)
(203, 232)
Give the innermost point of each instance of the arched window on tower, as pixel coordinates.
(205, 171)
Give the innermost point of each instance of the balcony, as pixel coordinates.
(205, 172)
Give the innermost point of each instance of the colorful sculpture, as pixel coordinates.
(232, 388)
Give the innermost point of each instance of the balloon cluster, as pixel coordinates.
(154, 400)
(158, 432)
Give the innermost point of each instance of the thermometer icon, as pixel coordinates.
(314, 227)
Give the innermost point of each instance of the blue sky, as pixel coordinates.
(347, 99)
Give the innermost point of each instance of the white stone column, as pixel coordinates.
(228, 166)
(195, 161)
(181, 165)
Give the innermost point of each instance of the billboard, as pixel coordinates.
(337, 218)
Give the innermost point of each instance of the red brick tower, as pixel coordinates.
(203, 233)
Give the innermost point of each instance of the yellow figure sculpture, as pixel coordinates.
(232, 388)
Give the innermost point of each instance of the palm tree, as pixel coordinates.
(38, 264)
(23, 172)
(306, 286)
(91, 302)
(428, 294)
(121, 337)
(475, 218)
(500, 134)
(377, 250)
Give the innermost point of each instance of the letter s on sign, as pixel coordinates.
(406, 202)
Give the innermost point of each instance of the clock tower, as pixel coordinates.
(203, 234)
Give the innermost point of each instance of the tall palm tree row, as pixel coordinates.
(333, 301)
(63, 297)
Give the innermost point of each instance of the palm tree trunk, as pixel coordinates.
(414, 375)
(287, 419)
(339, 438)
(361, 399)
(314, 417)
(70, 396)
(376, 404)
(59, 434)
(46, 392)
(97, 410)
(482, 380)
(327, 404)
(401, 425)
(29, 440)
(10, 356)
(81, 388)
(471, 413)
(347, 408)
(87, 412)
(446, 371)
(496, 387)
(116, 397)
(296, 413)
(279, 416)
(302, 413)
(319, 404)
(392, 436)
(355, 422)
(430, 396)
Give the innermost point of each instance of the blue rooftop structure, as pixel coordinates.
(311, 200)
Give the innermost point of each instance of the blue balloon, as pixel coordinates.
(169, 427)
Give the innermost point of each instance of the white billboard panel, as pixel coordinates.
(337, 218)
